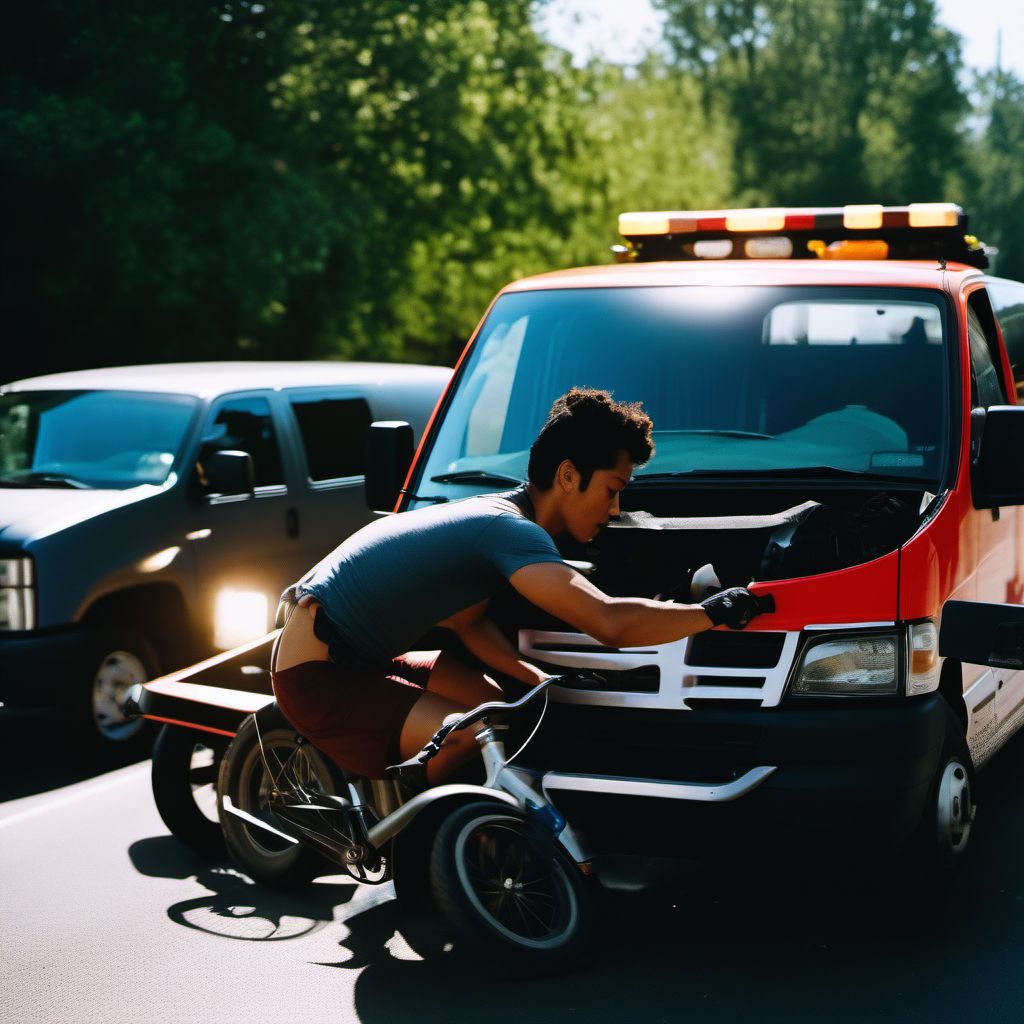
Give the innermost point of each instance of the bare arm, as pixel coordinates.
(483, 638)
(614, 621)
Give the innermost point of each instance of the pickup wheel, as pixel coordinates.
(184, 778)
(93, 714)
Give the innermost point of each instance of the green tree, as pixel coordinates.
(148, 209)
(995, 191)
(640, 140)
(267, 179)
(831, 102)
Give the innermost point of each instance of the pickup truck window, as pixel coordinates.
(245, 425)
(1008, 303)
(737, 380)
(333, 432)
(102, 439)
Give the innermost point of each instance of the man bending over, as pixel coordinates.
(344, 674)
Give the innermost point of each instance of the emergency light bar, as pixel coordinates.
(918, 231)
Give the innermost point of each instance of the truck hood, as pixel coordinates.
(30, 513)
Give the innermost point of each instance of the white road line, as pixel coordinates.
(83, 790)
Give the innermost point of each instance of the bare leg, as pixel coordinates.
(458, 682)
(425, 718)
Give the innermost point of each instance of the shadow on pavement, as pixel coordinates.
(798, 940)
(237, 908)
(34, 759)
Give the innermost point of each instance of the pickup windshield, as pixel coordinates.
(739, 380)
(101, 439)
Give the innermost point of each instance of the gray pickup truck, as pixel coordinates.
(151, 515)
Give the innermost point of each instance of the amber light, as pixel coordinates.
(851, 249)
(923, 661)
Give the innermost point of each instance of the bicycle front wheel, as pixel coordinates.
(503, 884)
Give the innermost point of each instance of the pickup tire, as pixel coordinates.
(92, 713)
(184, 779)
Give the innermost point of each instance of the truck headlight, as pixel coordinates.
(17, 594)
(852, 665)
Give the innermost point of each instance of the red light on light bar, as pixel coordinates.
(800, 222)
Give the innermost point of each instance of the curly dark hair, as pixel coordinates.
(590, 429)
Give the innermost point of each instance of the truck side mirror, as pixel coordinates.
(228, 473)
(983, 634)
(997, 471)
(389, 451)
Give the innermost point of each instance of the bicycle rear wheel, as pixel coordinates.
(244, 780)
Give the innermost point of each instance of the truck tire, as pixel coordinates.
(940, 843)
(93, 716)
(184, 779)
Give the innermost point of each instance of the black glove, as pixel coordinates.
(735, 607)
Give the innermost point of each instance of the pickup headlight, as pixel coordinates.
(17, 594)
(850, 665)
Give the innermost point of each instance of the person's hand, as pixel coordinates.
(735, 607)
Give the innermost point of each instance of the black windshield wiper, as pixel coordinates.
(745, 434)
(475, 476)
(781, 473)
(45, 480)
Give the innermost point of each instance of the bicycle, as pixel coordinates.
(505, 867)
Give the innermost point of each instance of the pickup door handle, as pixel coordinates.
(291, 522)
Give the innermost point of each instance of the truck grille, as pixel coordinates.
(742, 668)
(736, 650)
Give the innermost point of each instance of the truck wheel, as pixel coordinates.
(940, 843)
(93, 714)
(508, 889)
(244, 781)
(184, 778)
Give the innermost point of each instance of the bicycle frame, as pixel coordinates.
(356, 844)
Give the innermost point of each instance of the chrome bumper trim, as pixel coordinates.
(663, 789)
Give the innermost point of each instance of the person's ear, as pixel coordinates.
(567, 476)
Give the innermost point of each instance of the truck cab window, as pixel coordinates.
(333, 434)
(986, 386)
(1008, 303)
(245, 425)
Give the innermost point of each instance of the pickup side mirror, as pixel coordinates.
(228, 473)
(983, 634)
(389, 451)
(997, 468)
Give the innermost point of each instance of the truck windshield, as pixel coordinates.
(831, 381)
(102, 439)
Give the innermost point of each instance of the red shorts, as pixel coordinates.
(355, 716)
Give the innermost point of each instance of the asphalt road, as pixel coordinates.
(106, 918)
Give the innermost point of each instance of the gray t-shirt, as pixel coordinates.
(392, 581)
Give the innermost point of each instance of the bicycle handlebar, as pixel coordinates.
(474, 715)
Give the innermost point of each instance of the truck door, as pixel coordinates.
(332, 431)
(244, 546)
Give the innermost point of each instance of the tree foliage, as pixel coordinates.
(832, 103)
(996, 170)
(297, 178)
